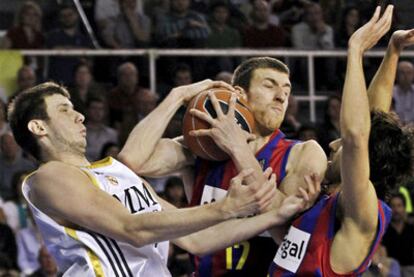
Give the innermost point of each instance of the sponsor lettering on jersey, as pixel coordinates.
(136, 200)
(292, 250)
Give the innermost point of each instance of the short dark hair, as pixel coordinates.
(94, 99)
(244, 72)
(181, 67)
(399, 195)
(29, 105)
(389, 153)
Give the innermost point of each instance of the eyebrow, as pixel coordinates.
(274, 82)
(66, 105)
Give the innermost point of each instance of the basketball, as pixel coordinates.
(204, 146)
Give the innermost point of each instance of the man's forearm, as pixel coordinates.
(355, 118)
(381, 87)
(149, 228)
(227, 233)
(145, 136)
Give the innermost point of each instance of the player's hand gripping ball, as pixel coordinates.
(204, 146)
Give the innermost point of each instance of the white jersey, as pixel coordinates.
(86, 253)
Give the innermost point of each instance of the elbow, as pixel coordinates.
(129, 161)
(135, 238)
(355, 133)
(355, 138)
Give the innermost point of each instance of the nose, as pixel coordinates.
(280, 95)
(79, 117)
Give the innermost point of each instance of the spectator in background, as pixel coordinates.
(182, 27)
(28, 245)
(16, 207)
(27, 33)
(329, 129)
(98, 134)
(307, 132)
(8, 248)
(291, 123)
(174, 192)
(122, 111)
(261, 33)
(66, 36)
(145, 101)
(181, 75)
(382, 265)
(404, 92)
(4, 126)
(224, 76)
(26, 78)
(222, 35)
(127, 29)
(48, 267)
(105, 9)
(350, 22)
(289, 12)
(109, 149)
(11, 161)
(84, 87)
(314, 34)
(399, 237)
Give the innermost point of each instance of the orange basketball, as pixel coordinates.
(204, 146)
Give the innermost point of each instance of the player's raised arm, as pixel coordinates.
(358, 198)
(145, 152)
(381, 87)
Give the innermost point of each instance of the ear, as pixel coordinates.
(37, 127)
(241, 91)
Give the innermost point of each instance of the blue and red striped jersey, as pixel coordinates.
(248, 258)
(305, 250)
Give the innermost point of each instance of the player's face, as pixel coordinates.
(268, 98)
(65, 126)
(333, 172)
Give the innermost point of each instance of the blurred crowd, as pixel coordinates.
(114, 95)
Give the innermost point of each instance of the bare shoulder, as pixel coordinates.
(56, 170)
(309, 146)
(309, 154)
(55, 178)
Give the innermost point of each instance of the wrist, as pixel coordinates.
(394, 47)
(238, 151)
(355, 51)
(176, 96)
(224, 209)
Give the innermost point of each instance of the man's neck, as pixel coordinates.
(398, 225)
(72, 158)
(260, 140)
